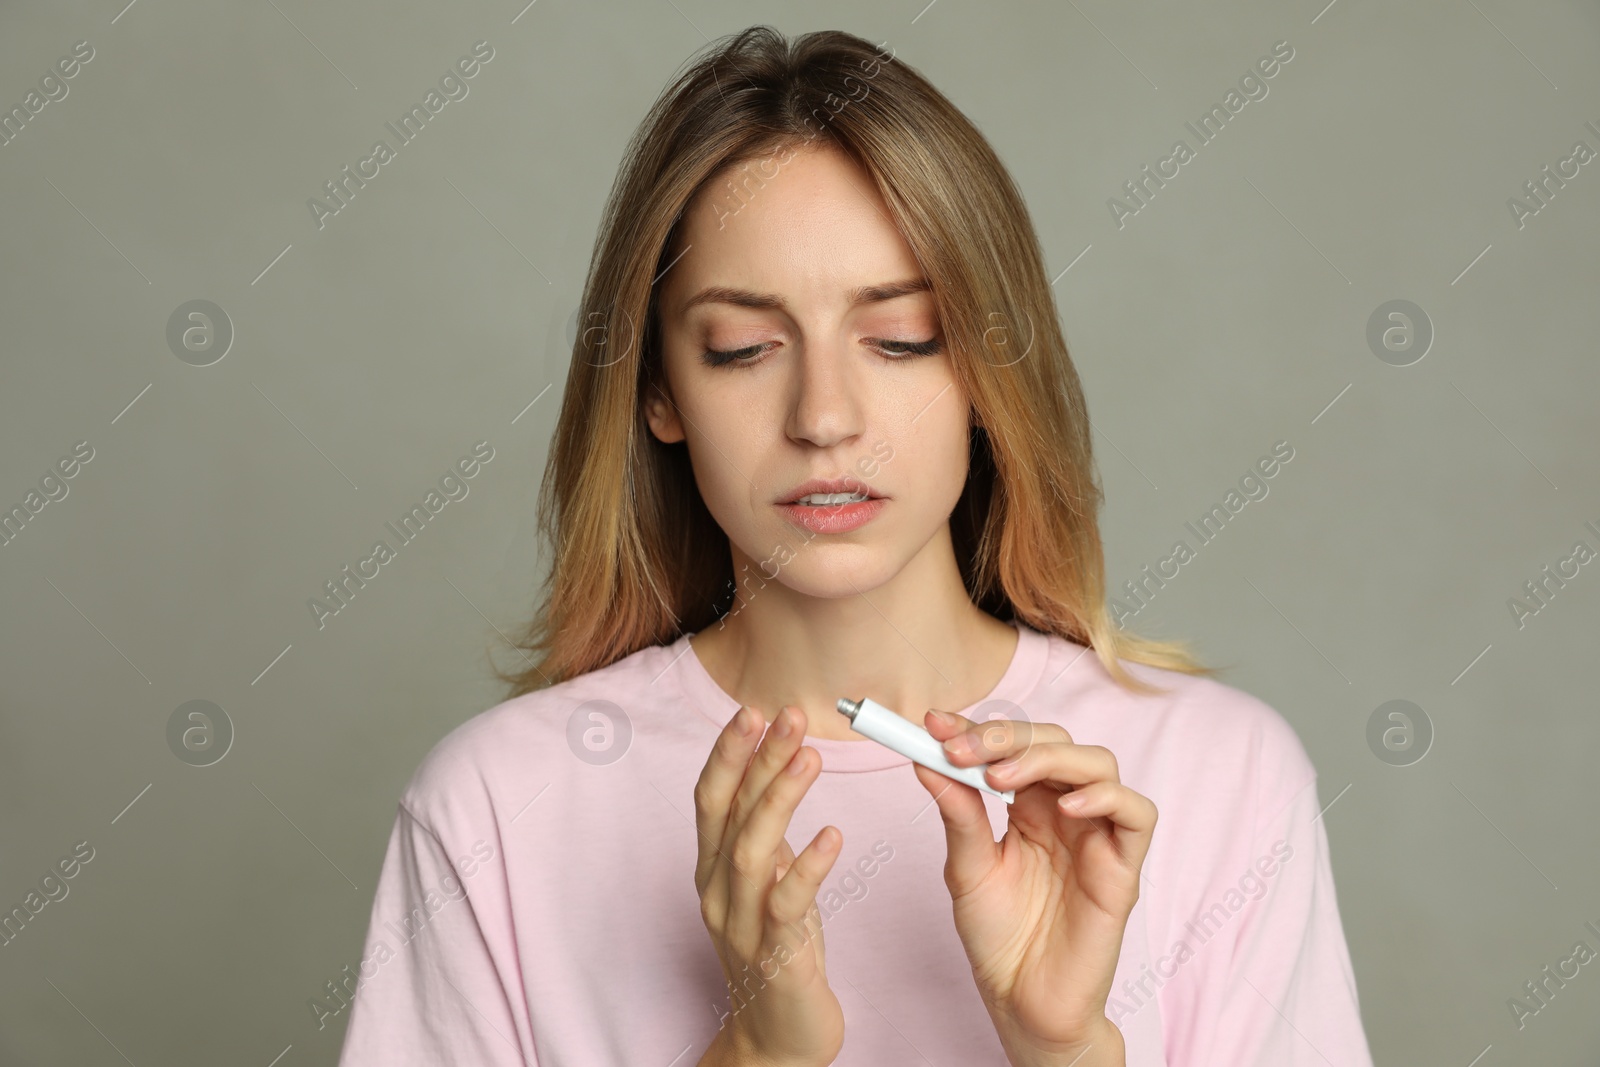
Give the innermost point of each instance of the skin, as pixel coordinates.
(880, 610)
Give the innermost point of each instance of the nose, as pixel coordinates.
(827, 402)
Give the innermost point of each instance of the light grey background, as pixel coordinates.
(1229, 314)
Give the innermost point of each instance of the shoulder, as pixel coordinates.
(1198, 735)
(480, 769)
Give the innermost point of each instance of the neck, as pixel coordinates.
(913, 643)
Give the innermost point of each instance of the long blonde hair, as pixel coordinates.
(636, 559)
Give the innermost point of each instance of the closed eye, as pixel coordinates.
(895, 351)
(905, 349)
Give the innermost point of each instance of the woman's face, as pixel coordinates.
(832, 375)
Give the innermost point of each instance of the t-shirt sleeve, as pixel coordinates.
(438, 980)
(1290, 998)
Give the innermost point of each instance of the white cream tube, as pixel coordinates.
(871, 719)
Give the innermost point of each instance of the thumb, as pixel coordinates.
(973, 851)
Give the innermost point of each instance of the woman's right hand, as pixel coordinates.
(759, 901)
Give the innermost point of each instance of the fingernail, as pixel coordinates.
(959, 745)
(781, 727)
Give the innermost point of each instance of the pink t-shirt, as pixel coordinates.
(537, 904)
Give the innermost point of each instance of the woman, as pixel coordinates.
(821, 438)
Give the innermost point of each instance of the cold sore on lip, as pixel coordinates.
(833, 518)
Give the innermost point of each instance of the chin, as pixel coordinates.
(832, 572)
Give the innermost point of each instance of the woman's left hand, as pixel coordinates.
(1041, 912)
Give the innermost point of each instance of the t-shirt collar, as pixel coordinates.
(708, 699)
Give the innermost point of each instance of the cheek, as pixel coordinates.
(920, 463)
(726, 439)
(939, 453)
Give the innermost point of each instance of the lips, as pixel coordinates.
(829, 485)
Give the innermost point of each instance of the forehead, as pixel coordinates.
(813, 229)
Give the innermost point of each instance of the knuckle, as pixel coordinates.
(732, 747)
(775, 803)
(997, 733)
(776, 797)
(773, 758)
(741, 856)
(724, 754)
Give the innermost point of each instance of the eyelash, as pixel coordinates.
(908, 350)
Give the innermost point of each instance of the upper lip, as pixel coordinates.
(830, 485)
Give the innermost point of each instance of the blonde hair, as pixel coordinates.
(636, 559)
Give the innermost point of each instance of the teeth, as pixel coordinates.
(821, 499)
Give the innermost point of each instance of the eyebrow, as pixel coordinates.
(866, 294)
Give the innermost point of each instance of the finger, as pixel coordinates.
(795, 896)
(1054, 761)
(968, 743)
(1133, 816)
(778, 745)
(719, 779)
(752, 853)
(971, 850)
